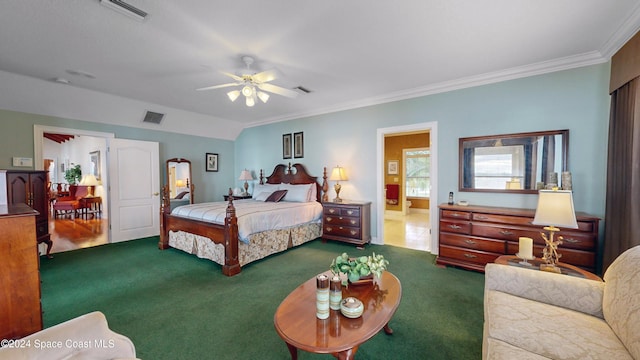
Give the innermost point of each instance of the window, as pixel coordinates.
(418, 172)
(497, 166)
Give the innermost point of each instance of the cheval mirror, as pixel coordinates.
(512, 163)
(179, 182)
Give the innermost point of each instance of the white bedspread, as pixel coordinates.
(255, 216)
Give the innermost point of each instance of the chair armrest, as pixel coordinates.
(560, 290)
(86, 337)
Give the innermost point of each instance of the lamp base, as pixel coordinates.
(337, 200)
(550, 268)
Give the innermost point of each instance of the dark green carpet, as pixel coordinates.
(175, 306)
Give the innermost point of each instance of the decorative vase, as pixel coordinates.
(351, 307)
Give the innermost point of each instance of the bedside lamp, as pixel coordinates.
(555, 208)
(90, 181)
(245, 175)
(179, 183)
(338, 175)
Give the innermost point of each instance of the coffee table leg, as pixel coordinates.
(347, 354)
(388, 330)
(293, 351)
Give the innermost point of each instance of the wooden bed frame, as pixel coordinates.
(227, 235)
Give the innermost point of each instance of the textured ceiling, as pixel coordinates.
(348, 53)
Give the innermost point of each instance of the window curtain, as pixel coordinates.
(622, 212)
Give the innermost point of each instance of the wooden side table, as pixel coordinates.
(567, 269)
(91, 205)
(347, 221)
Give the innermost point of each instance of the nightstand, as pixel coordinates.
(347, 221)
(237, 197)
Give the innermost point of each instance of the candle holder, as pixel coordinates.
(322, 296)
(335, 293)
(524, 259)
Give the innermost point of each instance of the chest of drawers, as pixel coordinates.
(472, 236)
(347, 221)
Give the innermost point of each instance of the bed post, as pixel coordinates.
(165, 208)
(325, 186)
(261, 178)
(231, 263)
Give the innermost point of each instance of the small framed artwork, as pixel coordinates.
(392, 167)
(298, 145)
(212, 162)
(94, 158)
(286, 146)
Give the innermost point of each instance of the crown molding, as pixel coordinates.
(625, 32)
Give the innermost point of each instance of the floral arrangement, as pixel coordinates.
(358, 267)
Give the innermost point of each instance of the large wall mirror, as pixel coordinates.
(516, 163)
(179, 181)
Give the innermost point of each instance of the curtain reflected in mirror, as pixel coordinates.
(521, 163)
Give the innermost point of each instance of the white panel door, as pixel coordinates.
(134, 190)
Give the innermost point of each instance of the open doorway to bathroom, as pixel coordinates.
(407, 189)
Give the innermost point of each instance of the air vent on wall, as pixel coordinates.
(153, 117)
(125, 9)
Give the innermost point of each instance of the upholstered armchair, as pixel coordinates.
(70, 205)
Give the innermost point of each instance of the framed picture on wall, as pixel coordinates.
(392, 167)
(286, 146)
(94, 158)
(212, 162)
(298, 145)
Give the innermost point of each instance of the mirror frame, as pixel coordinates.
(191, 187)
(494, 138)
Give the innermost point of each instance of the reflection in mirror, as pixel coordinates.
(520, 163)
(179, 181)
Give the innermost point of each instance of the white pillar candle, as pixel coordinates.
(526, 247)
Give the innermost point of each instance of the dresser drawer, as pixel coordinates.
(342, 220)
(345, 231)
(463, 215)
(459, 227)
(342, 210)
(467, 255)
(498, 232)
(495, 246)
(503, 219)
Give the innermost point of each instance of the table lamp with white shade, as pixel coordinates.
(338, 175)
(91, 182)
(555, 209)
(245, 175)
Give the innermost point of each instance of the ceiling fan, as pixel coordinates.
(253, 85)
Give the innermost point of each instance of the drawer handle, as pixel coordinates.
(332, 210)
(329, 219)
(455, 215)
(350, 212)
(455, 227)
(470, 256)
(470, 242)
(329, 229)
(353, 222)
(481, 217)
(571, 240)
(505, 232)
(353, 233)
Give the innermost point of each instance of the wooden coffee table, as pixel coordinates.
(296, 322)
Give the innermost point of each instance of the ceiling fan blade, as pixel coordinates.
(265, 76)
(278, 90)
(233, 76)
(218, 86)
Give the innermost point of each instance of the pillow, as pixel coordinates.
(259, 188)
(262, 196)
(297, 193)
(276, 196)
(181, 195)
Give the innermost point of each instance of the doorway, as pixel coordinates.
(400, 224)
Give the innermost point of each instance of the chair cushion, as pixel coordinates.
(621, 300)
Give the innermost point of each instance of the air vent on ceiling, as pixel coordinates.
(124, 8)
(153, 117)
(302, 89)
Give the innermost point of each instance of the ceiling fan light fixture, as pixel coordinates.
(263, 96)
(247, 91)
(250, 102)
(233, 95)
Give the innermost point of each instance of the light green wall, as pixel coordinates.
(16, 139)
(574, 99)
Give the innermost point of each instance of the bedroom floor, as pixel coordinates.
(409, 231)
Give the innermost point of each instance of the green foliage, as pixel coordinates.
(359, 266)
(73, 174)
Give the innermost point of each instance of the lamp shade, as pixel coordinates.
(245, 175)
(89, 180)
(179, 183)
(555, 208)
(338, 174)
